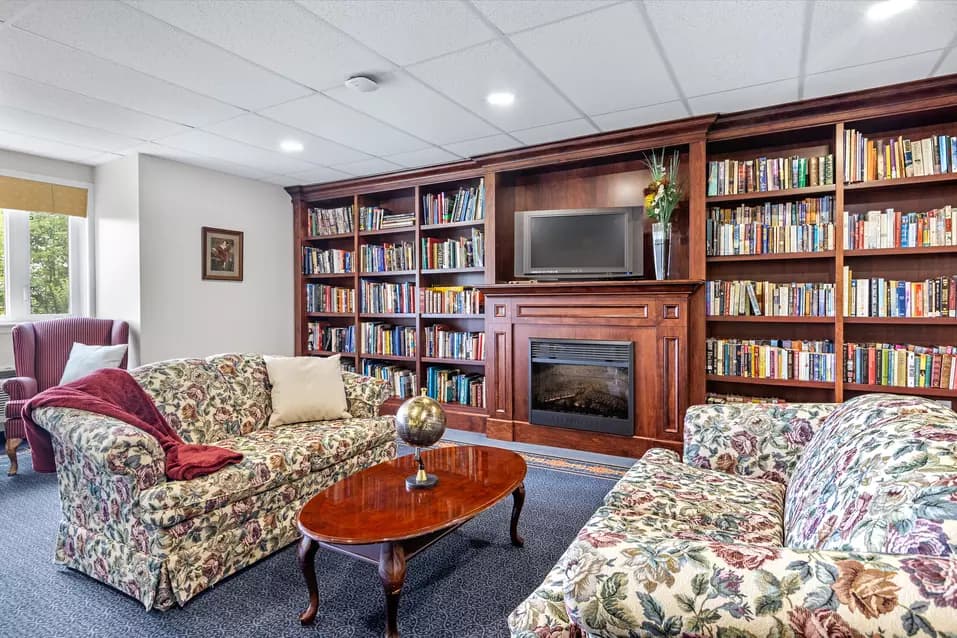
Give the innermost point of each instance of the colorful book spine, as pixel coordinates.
(317, 261)
(329, 221)
(387, 297)
(457, 300)
(387, 257)
(324, 298)
(443, 342)
(462, 252)
(454, 386)
(782, 359)
(769, 299)
(765, 174)
(322, 336)
(383, 338)
(901, 365)
(771, 228)
(895, 229)
(882, 297)
(465, 204)
(873, 159)
(402, 380)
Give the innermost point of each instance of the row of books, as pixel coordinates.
(462, 252)
(401, 379)
(324, 298)
(385, 297)
(452, 300)
(454, 386)
(443, 342)
(771, 228)
(387, 257)
(770, 299)
(735, 177)
(378, 218)
(348, 364)
(322, 336)
(384, 338)
(904, 365)
(722, 398)
(894, 229)
(880, 297)
(466, 204)
(330, 221)
(869, 159)
(808, 211)
(771, 359)
(327, 261)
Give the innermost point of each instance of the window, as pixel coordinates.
(39, 264)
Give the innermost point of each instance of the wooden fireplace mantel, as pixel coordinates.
(661, 319)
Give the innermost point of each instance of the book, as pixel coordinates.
(765, 174)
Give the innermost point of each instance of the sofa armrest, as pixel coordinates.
(671, 587)
(760, 440)
(365, 394)
(20, 388)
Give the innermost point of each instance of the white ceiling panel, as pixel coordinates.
(425, 157)
(842, 35)
(641, 116)
(253, 29)
(10, 8)
(199, 159)
(406, 31)
(870, 75)
(318, 176)
(469, 76)
(34, 125)
(279, 180)
(326, 118)
(483, 145)
(46, 148)
(618, 70)
(405, 103)
(751, 97)
(267, 134)
(552, 132)
(949, 65)
(372, 166)
(102, 158)
(117, 32)
(511, 16)
(47, 100)
(748, 55)
(203, 143)
(51, 63)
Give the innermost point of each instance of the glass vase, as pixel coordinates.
(661, 246)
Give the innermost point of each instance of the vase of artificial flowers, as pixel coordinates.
(661, 198)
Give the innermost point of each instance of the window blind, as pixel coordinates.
(42, 197)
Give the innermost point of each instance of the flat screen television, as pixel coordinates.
(588, 243)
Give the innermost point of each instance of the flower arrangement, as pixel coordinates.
(664, 192)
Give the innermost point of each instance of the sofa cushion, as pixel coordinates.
(272, 457)
(879, 476)
(246, 376)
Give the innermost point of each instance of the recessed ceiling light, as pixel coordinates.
(500, 98)
(887, 8)
(291, 146)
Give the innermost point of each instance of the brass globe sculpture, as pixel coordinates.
(420, 422)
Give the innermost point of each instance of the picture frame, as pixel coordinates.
(222, 255)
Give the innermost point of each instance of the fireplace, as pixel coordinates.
(582, 384)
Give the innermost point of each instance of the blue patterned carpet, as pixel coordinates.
(463, 587)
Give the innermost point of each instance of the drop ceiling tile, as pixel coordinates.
(472, 148)
(511, 16)
(208, 145)
(552, 132)
(402, 102)
(44, 61)
(10, 8)
(842, 35)
(279, 180)
(44, 99)
(469, 76)
(120, 33)
(326, 118)
(267, 134)
(751, 97)
(195, 159)
(725, 32)
(639, 117)
(949, 65)
(600, 74)
(406, 31)
(425, 157)
(319, 176)
(870, 75)
(372, 166)
(33, 125)
(45, 148)
(102, 158)
(252, 29)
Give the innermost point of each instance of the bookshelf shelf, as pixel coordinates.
(434, 315)
(900, 252)
(468, 224)
(331, 275)
(454, 362)
(826, 385)
(328, 237)
(824, 254)
(917, 321)
(444, 271)
(766, 319)
(402, 230)
(464, 409)
(945, 178)
(769, 195)
(387, 315)
(329, 353)
(317, 315)
(894, 389)
(388, 273)
(387, 357)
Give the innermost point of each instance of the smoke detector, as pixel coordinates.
(361, 83)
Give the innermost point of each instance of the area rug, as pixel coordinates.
(463, 587)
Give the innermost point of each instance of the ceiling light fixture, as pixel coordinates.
(887, 8)
(361, 83)
(500, 98)
(291, 146)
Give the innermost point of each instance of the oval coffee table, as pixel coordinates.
(373, 517)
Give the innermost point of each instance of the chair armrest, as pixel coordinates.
(671, 586)
(365, 394)
(760, 440)
(20, 388)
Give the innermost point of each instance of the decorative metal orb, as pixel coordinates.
(420, 421)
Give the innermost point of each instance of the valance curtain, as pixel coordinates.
(42, 197)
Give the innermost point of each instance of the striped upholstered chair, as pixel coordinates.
(40, 352)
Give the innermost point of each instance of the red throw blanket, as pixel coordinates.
(114, 393)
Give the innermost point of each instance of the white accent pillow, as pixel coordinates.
(85, 359)
(306, 389)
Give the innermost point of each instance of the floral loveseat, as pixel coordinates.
(164, 542)
(793, 520)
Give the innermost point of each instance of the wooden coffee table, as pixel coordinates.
(373, 517)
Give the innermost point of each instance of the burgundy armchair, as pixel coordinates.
(40, 353)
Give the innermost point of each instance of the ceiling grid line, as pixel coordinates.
(669, 69)
(805, 44)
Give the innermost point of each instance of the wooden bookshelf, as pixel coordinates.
(823, 254)
(784, 193)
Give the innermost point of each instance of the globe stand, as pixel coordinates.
(421, 479)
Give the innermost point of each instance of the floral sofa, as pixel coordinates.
(162, 542)
(793, 520)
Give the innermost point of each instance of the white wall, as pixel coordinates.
(183, 315)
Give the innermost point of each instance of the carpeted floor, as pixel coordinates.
(463, 587)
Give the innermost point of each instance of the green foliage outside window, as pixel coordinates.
(49, 264)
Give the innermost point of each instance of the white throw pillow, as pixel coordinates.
(306, 389)
(85, 359)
